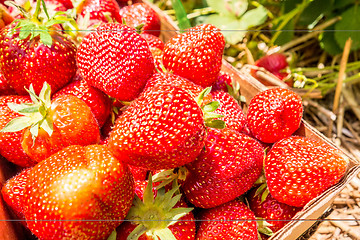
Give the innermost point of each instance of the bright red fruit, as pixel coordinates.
(139, 14)
(78, 183)
(117, 60)
(298, 169)
(232, 220)
(274, 114)
(97, 8)
(222, 82)
(196, 54)
(153, 41)
(5, 89)
(274, 63)
(163, 128)
(227, 167)
(98, 101)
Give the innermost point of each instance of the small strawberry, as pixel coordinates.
(274, 114)
(141, 15)
(10, 142)
(274, 63)
(97, 10)
(232, 220)
(298, 169)
(163, 128)
(32, 52)
(222, 82)
(157, 214)
(117, 60)
(196, 54)
(78, 193)
(227, 167)
(275, 213)
(50, 126)
(98, 101)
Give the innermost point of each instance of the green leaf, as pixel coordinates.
(287, 35)
(211, 106)
(165, 234)
(218, 124)
(137, 232)
(201, 95)
(112, 235)
(328, 42)
(234, 8)
(180, 13)
(17, 124)
(47, 126)
(148, 193)
(254, 17)
(349, 27)
(45, 94)
(23, 107)
(46, 38)
(316, 9)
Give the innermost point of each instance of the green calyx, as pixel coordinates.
(170, 175)
(211, 119)
(34, 115)
(154, 215)
(36, 25)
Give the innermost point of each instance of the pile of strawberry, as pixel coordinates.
(117, 135)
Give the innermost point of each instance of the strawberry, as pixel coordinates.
(117, 60)
(173, 218)
(97, 9)
(163, 128)
(196, 54)
(153, 41)
(75, 187)
(141, 15)
(33, 57)
(98, 101)
(234, 117)
(274, 63)
(275, 213)
(298, 169)
(222, 82)
(5, 89)
(274, 114)
(232, 220)
(227, 167)
(10, 142)
(50, 126)
(139, 174)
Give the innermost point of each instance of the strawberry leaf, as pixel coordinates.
(17, 124)
(112, 235)
(45, 37)
(137, 232)
(165, 234)
(23, 107)
(210, 107)
(218, 124)
(44, 8)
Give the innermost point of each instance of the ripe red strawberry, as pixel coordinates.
(10, 142)
(232, 220)
(234, 117)
(139, 174)
(298, 169)
(228, 166)
(84, 184)
(196, 54)
(33, 57)
(49, 126)
(163, 128)
(5, 89)
(274, 63)
(141, 14)
(222, 82)
(274, 114)
(98, 101)
(153, 41)
(97, 9)
(117, 60)
(163, 206)
(268, 208)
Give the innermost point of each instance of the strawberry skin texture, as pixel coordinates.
(196, 54)
(298, 169)
(98, 101)
(97, 8)
(153, 41)
(10, 142)
(274, 114)
(163, 128)
(25, 62)
(117, 60)
(228, 166)
(140, 13)
(73, 123)
(5, 89)
(222, 80)
(78, 183)
(243, 226)
(271, 209)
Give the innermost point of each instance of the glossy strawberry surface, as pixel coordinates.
(298, 169)
(196, 54)
(163, 128)
(274, 114)
(117, 60)
(97, 8)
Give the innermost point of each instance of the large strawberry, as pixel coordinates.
(98, 101)
(31, 52)
(10, 142)
(163, 128)
(298, 169)
(117, 60)
(196, 54)
(50, 126)
(274, 114)
(157, 214)
(232, 220)
(228, 166)
(78, 193)
(142, 15)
